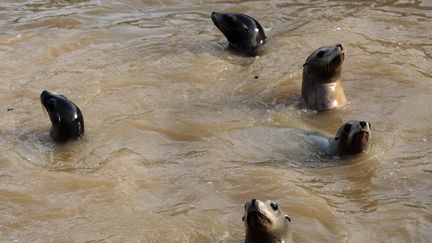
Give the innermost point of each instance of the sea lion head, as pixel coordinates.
(324, 65)
(265, 222)
(66, 118)
(321, 83)
(243, 32)
(353, 137)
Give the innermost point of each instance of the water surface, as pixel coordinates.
(180, 133)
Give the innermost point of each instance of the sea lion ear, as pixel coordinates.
(243, 218)
(288, 218)
(336, 138)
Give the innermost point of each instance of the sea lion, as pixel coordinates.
(351, 138)
(243, 32)
(266, 223)
(66, 118)
(321, 84)
(261, 144)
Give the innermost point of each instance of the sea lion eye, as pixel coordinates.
(320, 54)
(274, 206)
(347, 127)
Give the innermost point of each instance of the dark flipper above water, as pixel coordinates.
(243, 32)
(66, 118)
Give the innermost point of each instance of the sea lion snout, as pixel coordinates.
(339, 54)
(364, 126)
(48, 101)
(223, 22)
(360, 142)
(361, 138)
(215, 16)
(45, 95)
(256, 214)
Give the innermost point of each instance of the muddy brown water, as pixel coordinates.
(180, 133)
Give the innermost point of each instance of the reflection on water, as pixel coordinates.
(180, 132)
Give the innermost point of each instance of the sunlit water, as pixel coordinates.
(180, 132)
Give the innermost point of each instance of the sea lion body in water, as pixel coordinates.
(263, 144)
(266, 223)
(321, 83)
(243, 32)
(66, 118)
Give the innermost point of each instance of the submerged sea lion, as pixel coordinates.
(243, 32)
(66, 118)
(321, 84)
(266, 223)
